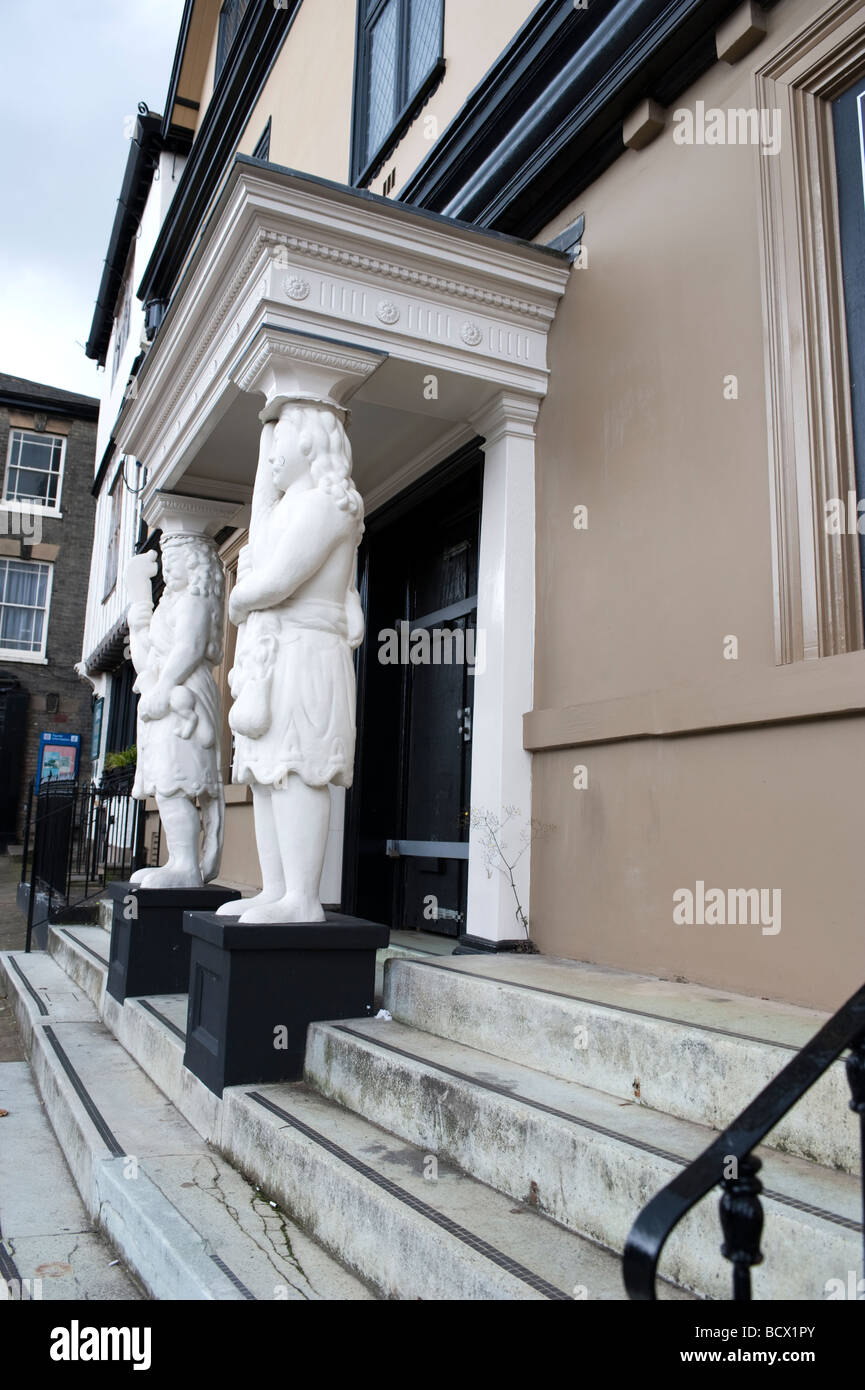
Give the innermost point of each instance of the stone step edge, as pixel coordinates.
(682, 1264)
(363, 1201)
(147, 1034)
(166, 1253)
(79, 960)
(106, 1192)
(806, 1132)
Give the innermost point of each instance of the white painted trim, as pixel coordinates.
(501, 767)
(12, 503)
(33, 658)
(296, 255)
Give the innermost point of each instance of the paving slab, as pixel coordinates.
(47, 1235)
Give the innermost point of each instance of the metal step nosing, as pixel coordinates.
(582, 1123)
(474, 1242)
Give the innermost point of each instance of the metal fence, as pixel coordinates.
(76, 840)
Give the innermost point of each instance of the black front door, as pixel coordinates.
(406, 855)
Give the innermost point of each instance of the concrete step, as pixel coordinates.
(402, 1216)
(403, 1219)
(683, 1050)
(307, 1173)
(187, 1223)
(584, 1158)
(49, 1246)
(82, 953)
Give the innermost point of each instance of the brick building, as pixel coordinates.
(47, 446)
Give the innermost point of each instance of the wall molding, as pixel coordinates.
(546, 120)
(805, 690)
(818, 604)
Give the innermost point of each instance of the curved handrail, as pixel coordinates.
(661, 1215)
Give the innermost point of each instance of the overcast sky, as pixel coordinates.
(71, 71)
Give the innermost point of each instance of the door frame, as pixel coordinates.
(470, 455)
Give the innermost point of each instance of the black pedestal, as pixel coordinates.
(149, 948)
(254, 989)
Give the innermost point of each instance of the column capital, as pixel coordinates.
(508, 413)
(175, 514)
(287, 366)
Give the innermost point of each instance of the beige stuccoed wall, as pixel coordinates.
(239, 865)
(308, 93)
(676, 557)
(239, 857)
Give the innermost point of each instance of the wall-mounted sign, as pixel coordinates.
(58, 758)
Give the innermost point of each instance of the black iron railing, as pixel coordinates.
(76, 840)
(730, 1163)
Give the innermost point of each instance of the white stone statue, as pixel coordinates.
(299, 617)
(174, 650)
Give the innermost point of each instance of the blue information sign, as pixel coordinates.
(58, 758)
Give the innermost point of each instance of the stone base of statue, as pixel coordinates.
(149, 948)
(255, 988)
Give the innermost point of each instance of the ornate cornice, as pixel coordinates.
(256, 262)
(392, 270)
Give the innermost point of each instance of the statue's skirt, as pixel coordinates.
(294, 687)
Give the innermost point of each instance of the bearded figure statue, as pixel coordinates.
(299, 617)
(174, 649)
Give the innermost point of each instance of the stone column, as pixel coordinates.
(501, 768)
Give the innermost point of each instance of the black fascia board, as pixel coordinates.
(262, 32)
(107, 455)
(546, 119)
(87, 409)
(400, 209)
(174, 80)
(137, 177)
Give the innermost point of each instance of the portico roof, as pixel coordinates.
(450, 314)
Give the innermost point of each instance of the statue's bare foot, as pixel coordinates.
(172, 876)
(238, 906)
(287, 909)
(140, 875)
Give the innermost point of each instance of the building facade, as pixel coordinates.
(117, 340)
(47, 442)
(589, 277)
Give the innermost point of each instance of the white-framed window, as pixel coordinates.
(34, 469)
(112, 557)
(25, 596)
(122, 319)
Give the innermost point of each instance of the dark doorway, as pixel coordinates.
(406, 849)
(123, 710)
(13, 738)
